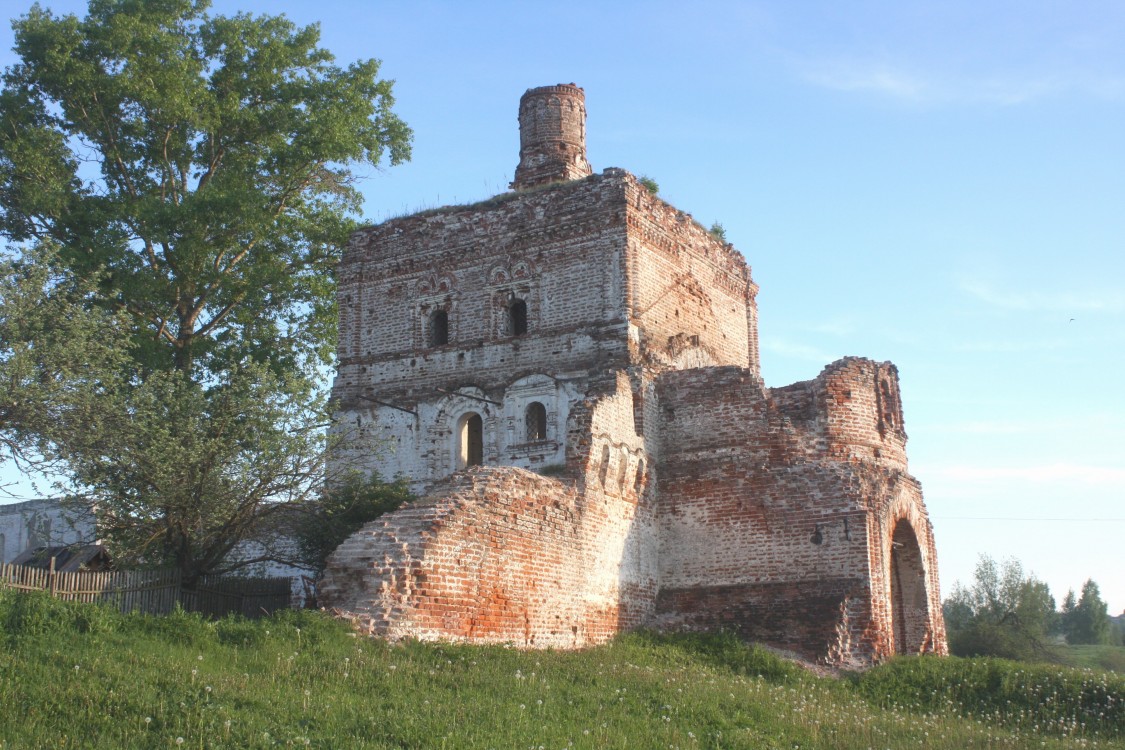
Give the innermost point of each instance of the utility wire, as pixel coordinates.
(1012, 518)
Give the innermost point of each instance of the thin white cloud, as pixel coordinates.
(846, 76)
(797, 351)
(983, 427)
(1057, 472)
(1054, 301)
(1104, 424)
(833, 327)
(1011, 347)
(899, 82)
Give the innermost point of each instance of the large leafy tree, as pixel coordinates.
(201, 169)
(1005, 612)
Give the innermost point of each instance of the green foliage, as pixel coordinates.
(302, 678)
(193, 176)
(1004, 613)
(649, 184)
(35, 615)
(343, 510)
(224, 147)
(552, 470)
(59, 354)
(718, 232)
(1087, 622)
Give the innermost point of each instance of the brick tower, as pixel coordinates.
(552, 136)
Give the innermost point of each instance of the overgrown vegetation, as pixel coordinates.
(343, 510)
(649, 184)
(78, 676)
(1010, 614)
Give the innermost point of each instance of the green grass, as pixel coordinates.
(1110, 658)
(76, 676)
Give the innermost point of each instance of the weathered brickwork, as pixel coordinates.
(499, 554)
(805, 487)
(570, 374)
(552, 136)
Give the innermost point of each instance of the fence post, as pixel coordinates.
(51, 575)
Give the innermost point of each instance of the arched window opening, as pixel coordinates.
(471, 441)
(603, 470)
(639, 481)
(439, 328)
(622, 470)
(536, 419)
(909, 604)
(517, 317)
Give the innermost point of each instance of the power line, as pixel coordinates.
(1013, 518)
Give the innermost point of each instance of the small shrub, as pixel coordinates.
(353, 502)
(552, 470)
(649, 184)
(179, 626)
(37, 614)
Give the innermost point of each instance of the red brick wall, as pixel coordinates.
(778, 510)
(691, 298)
(497, 555)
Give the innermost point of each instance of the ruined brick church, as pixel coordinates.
(569, 374)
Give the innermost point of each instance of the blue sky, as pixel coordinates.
(941, 185)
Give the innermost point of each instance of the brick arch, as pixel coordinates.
(445, 431)
(913, 602)
(909, 604)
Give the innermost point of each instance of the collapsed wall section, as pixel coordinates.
(498, 555)
(851, 415)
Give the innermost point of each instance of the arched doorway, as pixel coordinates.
(470, 441)
(910, 610)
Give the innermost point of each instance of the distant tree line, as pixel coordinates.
(1011, 614)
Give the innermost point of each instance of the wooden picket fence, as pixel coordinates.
(155, 591)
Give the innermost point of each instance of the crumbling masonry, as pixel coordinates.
(570, 374)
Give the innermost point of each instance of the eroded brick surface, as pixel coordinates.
(584, 329)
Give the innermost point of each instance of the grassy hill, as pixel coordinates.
(77, 676)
